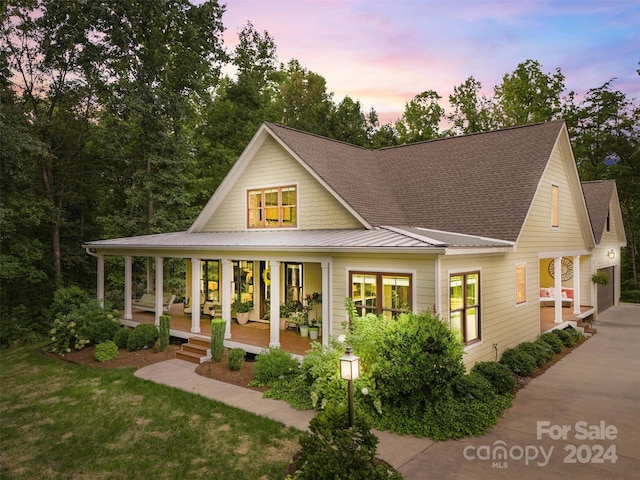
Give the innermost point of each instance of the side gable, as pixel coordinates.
(574, 230)
(266, 162)
(603, 205)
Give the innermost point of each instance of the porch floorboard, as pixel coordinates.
(547, 316)
(255, 334)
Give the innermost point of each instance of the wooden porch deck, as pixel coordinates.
(547, 315)
(254, 336)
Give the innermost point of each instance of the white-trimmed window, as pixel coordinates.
(521, 283)
(381, 293)
(274, 207)
(555, 206)
(464, 305)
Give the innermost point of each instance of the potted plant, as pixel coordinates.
(286, 309)
(242, 310)
(300, 318)
(314, 328)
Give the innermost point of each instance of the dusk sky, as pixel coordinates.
(384, 52)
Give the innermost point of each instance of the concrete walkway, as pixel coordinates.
(594, 392)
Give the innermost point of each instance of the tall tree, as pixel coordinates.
(347, 122)
(162, 56)
(605, 128)
(472, 111)
(304, 102)
(528, 95)
(421, 119)
(238, 107)
(55, 67)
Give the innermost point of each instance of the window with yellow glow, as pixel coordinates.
(272, 207)
(521, 284)
(381, 293)
(464, 305)
(555, 209)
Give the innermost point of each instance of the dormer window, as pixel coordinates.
(273, 207)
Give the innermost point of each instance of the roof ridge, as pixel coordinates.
(321, 137)
(475, 134)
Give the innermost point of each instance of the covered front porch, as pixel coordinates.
(569, 317)
(253, 337)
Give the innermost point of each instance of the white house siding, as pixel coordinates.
(273, 166)
(568, 239)
(537, 234)
(609, 241)
(502, 321)
(421, 267)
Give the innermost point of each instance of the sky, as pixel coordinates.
(384, 52)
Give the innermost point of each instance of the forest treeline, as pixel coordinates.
(116, 120)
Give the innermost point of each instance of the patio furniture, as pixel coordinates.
(148, 302)
(548, 294)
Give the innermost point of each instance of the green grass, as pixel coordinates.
(61, 420)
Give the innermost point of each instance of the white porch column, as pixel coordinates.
(274, 313)
(149, 276)
(159, 288)
(100, 284)
(196, 274)
(128, 279)
(226, 287)
(557, 288)
(326, 301)
(576, 285)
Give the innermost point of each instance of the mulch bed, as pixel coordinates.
(220, 370)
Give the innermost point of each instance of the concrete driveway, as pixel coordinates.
(581, 419)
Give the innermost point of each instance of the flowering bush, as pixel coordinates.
(65, 335)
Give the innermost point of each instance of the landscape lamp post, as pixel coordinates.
(350, 371)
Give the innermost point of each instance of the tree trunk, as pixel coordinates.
(633, 251)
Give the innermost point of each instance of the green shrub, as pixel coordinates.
(365, 335)
(472, 386)
(66, 300)
(320, 370)
(122, 337)
(236, 358)
(273, 364)
(553, 340)
(565, 337)
(83, 323)
(577, 335)
(332, 450)
(218, 326)
(144, 335)
(106, 351)
(518, 361)
(540, 354)
(499, 376)
(417, 359)
(165, 332)
(103, 329)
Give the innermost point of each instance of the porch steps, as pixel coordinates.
(586, 329)
(196, 350)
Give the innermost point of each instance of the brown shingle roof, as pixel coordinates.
(481, 184)
(597, 196)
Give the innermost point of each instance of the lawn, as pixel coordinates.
(62, 420)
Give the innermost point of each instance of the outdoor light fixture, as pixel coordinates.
(611, 254)
(350, 371)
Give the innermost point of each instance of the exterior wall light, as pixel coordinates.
(611, 254)
(350, 371)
